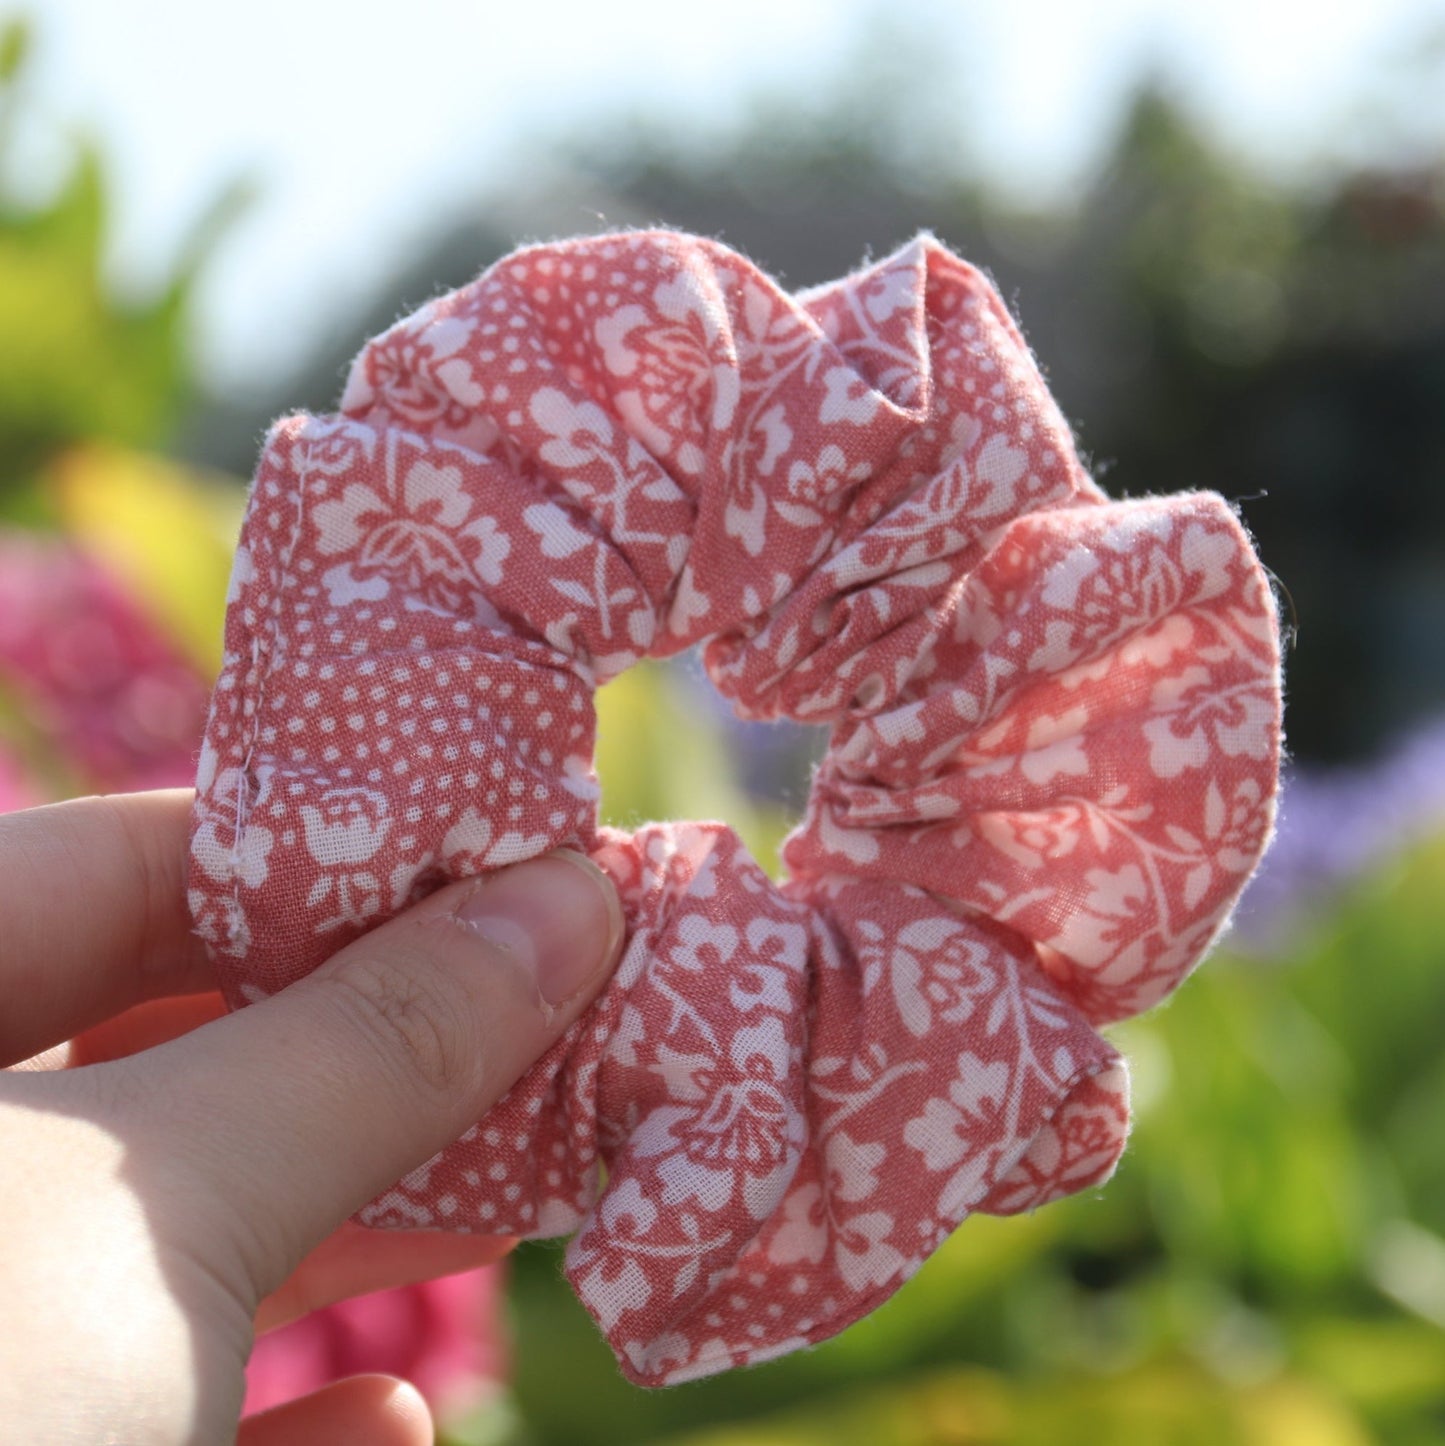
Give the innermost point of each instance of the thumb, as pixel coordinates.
(299, 1110)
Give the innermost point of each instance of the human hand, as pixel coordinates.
(176, 1179)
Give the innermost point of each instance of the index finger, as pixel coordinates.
(93, 915)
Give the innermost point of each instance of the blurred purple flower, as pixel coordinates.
(1334, 825)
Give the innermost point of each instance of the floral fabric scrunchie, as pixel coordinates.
(1055, 727)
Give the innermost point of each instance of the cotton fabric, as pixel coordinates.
(1053, 748)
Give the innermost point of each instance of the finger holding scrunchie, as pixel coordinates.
(1055, 734)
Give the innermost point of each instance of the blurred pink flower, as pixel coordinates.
(444, 1336)
(93, 675)
(102, 691)
(16, 790)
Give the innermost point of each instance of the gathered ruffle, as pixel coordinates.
(1051, 768)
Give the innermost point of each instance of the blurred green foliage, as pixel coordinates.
(79, 360)
(654, 747)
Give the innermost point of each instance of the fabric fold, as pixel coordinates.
(1052, 760)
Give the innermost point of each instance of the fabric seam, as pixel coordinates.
(265, 660)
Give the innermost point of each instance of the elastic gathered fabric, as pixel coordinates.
(1055, 731)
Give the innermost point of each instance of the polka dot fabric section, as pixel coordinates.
(1055, 728)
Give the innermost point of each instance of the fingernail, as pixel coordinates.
(558, 917)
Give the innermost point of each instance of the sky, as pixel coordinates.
(367, 128)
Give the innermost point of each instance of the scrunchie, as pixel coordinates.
(1051, 768)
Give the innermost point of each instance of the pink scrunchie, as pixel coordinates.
(1052, 765)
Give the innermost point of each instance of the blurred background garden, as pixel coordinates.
(1234, 288)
